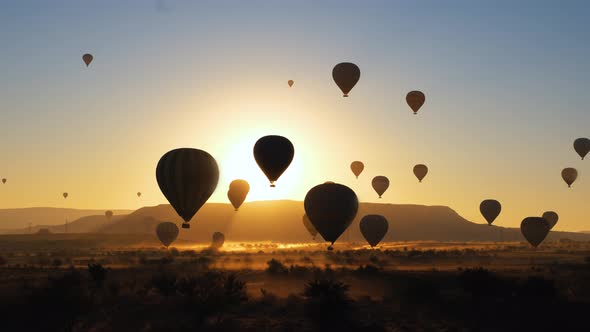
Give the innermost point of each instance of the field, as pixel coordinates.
(91, 283)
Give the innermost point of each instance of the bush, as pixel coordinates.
(276, 267)
(327, 300)
(98, 274)
(164, 283)
(479, 282)
(56, 262)
(3, 261)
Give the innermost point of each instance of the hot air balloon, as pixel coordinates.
(380, 184)
(3, 181)
(420, 171)
(309, 226)
(167, 232)
(551, 217)
(569, 175)
(217, 240)
(273, 155)
(374, 227)
(187, 177)
(87, 59)
(582, 146)
(346, 75)
(415, 100)
(138, 194)
(534, 230)
(357, 168)
(331, 208)
(108, 214)
(490, 209)
(65, 195)
(290, 82)
(238, 190)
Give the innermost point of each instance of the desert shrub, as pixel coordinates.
(535, 288)
(98, 274)
(479, 282)
(56, 262)
(327, 300)
(276, 267)
(368, 269)
(419, 293)
(164, 283)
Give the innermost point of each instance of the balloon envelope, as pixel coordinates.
(420, 171)
(534, 230)
(108, 214)
(217, 240)
(346, 75)
(415, 100)
(65, 195)
(187, 178)
(582, 146)
(309, 226)
(3, 180)
(569, 175)
(380, 184)
(167, 232)
(331, 208)
(290, 82)
(87, 58)
(357, 168)
(551, 217)
(138, 194)
(273, 155)
(490, 209)
(374, 227)
(238, 190)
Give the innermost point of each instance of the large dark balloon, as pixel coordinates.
(217, 240)
(534, 230)
(331, 207)
(273, 155)
(380, 184)
(87, 59)
(420, 171)
(238, 190)
(490, 209)
(582, 146)
(309, 226)
(551, 217)
(415, 100)
(346, 75)
(357, 168)
(167, 232)
(374, 227)
(569, 175)
(187, 177)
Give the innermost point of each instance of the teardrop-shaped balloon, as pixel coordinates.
(569, 175)
(346, 75)
(65, 195)
(490, 209)
(551, 217)
(374, 227)
(309, 226)
(238, 190)
(331, 208)
(138, 194)
(357, 168)
(290, 82)
(4, 181)
(420, 171)
(582, 146)
(167, 232)
(273, 155)
(108, 214)
(415, 100)
(187, 178)
(534, 230)
(380, 184)
(87, 59)
(217, 240)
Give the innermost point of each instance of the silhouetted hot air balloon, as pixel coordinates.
(346, 75)
(309, 226)
(217, 240)
(187, 177)
(87, 59)
(238, 190)
(65, 195)
(551, 217)
(415, 100)
(167, 232)
(357, 168)
(331, 208)
(4, 181)
(569, 175)
(582, 146)
(374, 227)
(380, 184)
(138, 194)
(534, 230)
(108, 214)
(490, 209)
(420, 171)
(273, 155)
(290, 82)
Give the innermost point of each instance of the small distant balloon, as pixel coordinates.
(108, 214)
(4, 181)
(217, 240)
(87, 59)
(582, 146)
(415, 100)
(534, 230)
(65, 195)
(357, 168)
(420, 171)
(490, 209)
(346, 75)
(273, 155)
(380, 184)
(167, 232)
(138, 194)
(551, 217)
(238, 190)
(374, 227)
(569, 175)
(290, 82)
(309, 226)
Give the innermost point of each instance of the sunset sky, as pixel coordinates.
(506, 86)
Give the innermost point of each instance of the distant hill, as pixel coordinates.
(18, 219)
(282, 221)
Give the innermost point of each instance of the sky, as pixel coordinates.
(505, 84)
